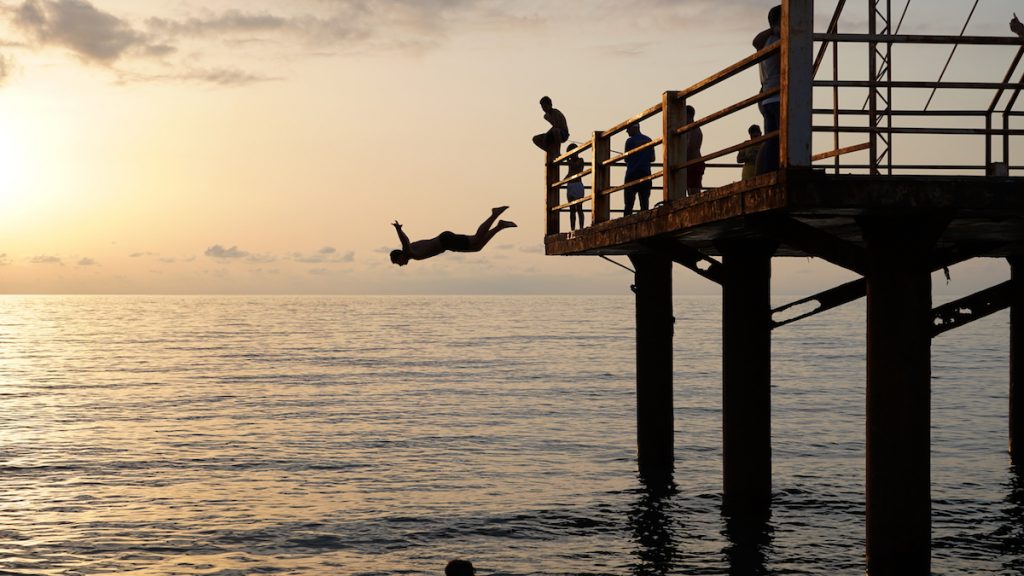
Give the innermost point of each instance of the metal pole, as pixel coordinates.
(654, 327)
(746, 378)
(898, 394)
(1017, 360)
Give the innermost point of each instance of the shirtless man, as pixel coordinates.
(551, 141)
(448, 241)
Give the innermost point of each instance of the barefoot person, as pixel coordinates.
(448, 241)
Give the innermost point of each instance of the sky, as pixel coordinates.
(265, 146)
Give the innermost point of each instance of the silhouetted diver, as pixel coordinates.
(448, 241)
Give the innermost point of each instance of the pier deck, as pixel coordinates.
(851, 204)
(986, 214)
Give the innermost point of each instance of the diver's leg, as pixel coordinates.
(478, 241)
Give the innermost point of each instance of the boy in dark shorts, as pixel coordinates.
(448, 241)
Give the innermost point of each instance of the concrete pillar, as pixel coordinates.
(899, 308)
(746, 377)
(1017, 361)
(654, 326)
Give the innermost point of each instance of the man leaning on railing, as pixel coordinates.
(770, 68)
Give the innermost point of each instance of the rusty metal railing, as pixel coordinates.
(860, 141)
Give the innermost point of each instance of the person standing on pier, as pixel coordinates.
(770, 68)
(695, 172)
(551, 141)
(448, 241)
(637, 166)
(574, 189)
(748, 156)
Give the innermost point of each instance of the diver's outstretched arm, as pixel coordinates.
(401, 236)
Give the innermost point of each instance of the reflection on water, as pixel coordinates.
(650, 521)
(749, 545)
(240, 436)
(1011, 533)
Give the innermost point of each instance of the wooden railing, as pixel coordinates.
(870, 129)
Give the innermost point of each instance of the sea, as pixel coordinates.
(380, 435)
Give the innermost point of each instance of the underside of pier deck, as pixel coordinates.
(814, 214)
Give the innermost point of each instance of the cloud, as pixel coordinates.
(327, 254)
(230, 22)
(87, 262)
(532, 248)
(4, 259)
(141, 254)
(46, 260)
(261, 258)
(319, 271)
(221, 253)
(89, 33)
(218, 76)
(6, 67)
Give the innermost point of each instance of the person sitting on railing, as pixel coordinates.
(551, 141)
(1016, 27)
(448, 241)
(574, 189)
(637, 166)
(695, 172)
(770, 68)
(748, 156)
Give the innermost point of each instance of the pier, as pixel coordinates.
(839, 195)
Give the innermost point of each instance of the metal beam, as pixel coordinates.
(816, 242)
(856, 289)
(654, 327)
(689, 257)
(827, 300)
(970, 308)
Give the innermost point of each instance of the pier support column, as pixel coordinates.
(746, 377)
(654, 320)
(1017, 361)
(898, 393)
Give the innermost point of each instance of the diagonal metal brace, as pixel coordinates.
(691, 258)
(970, 308)
(827, 300)
(856, 289)
(815, 242)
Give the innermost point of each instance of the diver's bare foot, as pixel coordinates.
(506, 224)
(496, 211)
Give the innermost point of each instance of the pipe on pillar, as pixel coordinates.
(898, 392)
(746, 377)
(1017, 360)
(654, 328)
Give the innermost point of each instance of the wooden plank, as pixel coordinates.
(654, 142)
(797, 81)
(915, 84)
(943, 131)
(578, 150)
(625, 185)
(729, 72)
(650, 112)
(674, 149)
(572, 177)
(921, 39)
(841, 151)
(585, 199)
(730, 110)
(729, 150)
(602, 178)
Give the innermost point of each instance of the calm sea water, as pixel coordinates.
(387, 435)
